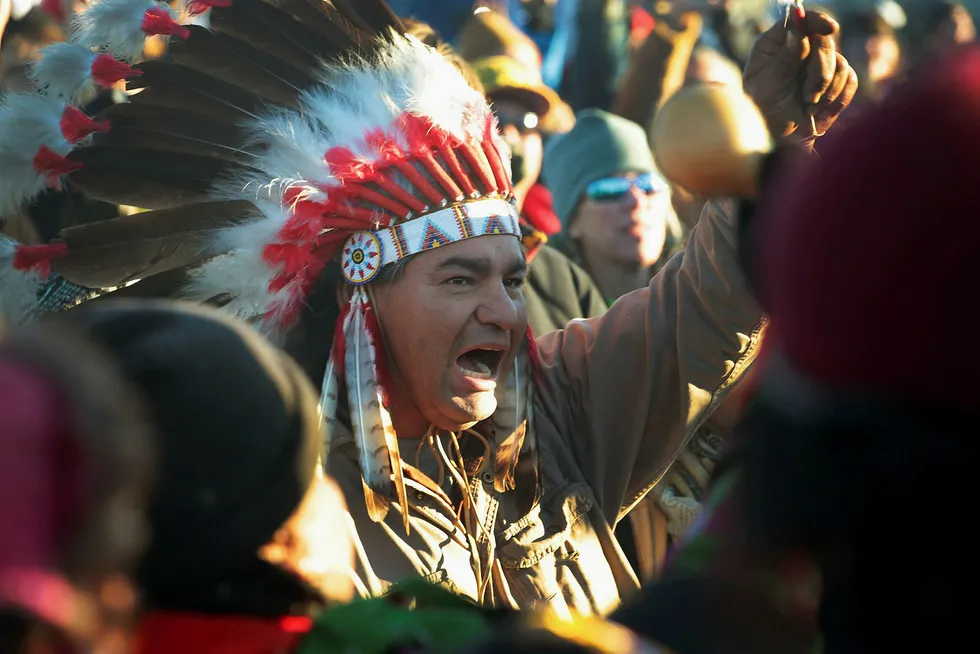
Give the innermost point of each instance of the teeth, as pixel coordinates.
(476, 364)
(476, 374)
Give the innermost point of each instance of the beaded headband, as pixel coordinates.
(365, 253)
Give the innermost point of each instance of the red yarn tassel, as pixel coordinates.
(347, 216)
(348, 167)
(479, 166)
(423, 138)
(419, 182)
(400, 194)
(457, 171)
(416, 131)
(75, 125)
(157, 22)
(39, 257)
(383, 201)
(107, 70)
(493, 157)
(197, 7)
(380, 357)
(52, 166)
(439, 174)
(292, 257)
(392, 154)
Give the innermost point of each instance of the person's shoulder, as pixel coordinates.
(556, 265)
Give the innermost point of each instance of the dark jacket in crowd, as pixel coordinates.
(557, 291)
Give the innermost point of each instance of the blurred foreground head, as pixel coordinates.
(860, 297)
(75, 459)
(243, 521)
(863, 436)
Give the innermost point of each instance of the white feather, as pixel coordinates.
(353, 99)
(65, 71)
(29, 121)
(294, 147)
(329, 400)
(242, 272)
(360, 97)
(115, 25)
(362, 394)
(18, 289)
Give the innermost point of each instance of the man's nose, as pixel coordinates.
(501, 308)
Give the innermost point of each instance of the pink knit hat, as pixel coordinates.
(74, 463)
(870, 262)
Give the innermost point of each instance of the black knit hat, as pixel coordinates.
(238, 429)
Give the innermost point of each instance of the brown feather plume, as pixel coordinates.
(171, 130)
(181, 87)
(273, 32)
(234, 62)
(114, 252)
(167, 284)
(180, 133)
(323, 18)
(373, 15)
(149, 179)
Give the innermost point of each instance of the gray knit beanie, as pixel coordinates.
(600, 145)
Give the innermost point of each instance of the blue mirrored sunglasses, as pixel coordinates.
(610, 189)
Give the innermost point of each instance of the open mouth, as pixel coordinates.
(480, 362)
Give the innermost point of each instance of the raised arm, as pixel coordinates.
(628, 388)
(625, 390)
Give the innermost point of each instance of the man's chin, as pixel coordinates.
(465, 412)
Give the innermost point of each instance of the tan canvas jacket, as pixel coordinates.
(618, 398)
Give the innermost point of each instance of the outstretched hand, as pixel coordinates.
(793, 77)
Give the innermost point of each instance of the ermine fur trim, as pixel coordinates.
(115, 26)
(30, 121)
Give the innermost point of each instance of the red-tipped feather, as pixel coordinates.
(75, 125)
(52, 166)
(38, 258)
(157, 22)
(107, 70)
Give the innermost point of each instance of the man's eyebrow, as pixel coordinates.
(476, 266)
(481, 266)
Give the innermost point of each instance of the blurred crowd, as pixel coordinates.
(164, 485)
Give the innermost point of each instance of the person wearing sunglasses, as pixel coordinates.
(619, 224)
(558, 290)
(617, 219)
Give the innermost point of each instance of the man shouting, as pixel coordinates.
(467, 452)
